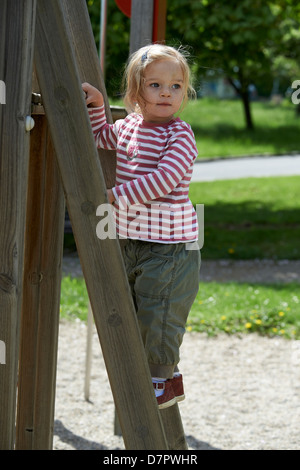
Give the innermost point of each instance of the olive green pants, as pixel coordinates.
(164, 281)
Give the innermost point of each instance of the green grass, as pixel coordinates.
(74, 299)
(250, 218)
(233, 308)
(219, 128)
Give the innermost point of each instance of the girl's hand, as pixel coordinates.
(94, 97)
(111, 197)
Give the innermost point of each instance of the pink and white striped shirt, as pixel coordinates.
(154, 170)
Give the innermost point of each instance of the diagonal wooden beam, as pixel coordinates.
(101, 260)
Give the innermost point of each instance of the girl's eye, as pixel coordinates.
(154, 85)
(176, 86)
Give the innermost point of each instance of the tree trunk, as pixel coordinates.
(242, 91)
(247, 109)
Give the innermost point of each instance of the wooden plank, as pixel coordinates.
(17, 26)
(173, 428)
(41, 298)
(90, 70)
(141, 24)
(81, 34)
(89, 353)
(101, 260)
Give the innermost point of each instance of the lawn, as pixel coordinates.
(232, 308)
(250, 218)
(219, 128)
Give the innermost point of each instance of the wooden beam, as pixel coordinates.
(141, 24)
(17, 26)
(89, 70)
(173, 428)
(101, 260)
(41, 298)
(87, 60)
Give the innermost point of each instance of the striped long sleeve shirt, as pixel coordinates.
(153, 173)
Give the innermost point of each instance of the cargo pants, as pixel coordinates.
(164, 281)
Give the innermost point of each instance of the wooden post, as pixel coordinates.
(101, 260)
(141, 24)
(89, 68)
(17, 27)
(41, 298)
(88, 357)
(173, 428)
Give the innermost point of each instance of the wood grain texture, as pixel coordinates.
(141, 24)
(88, 64)
(17, 26)
(41, 294)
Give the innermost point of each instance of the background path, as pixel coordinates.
(232, 168)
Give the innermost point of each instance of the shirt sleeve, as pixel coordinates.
(106, 135)
(179, 156)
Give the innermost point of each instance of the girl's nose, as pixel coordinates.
(165, 91)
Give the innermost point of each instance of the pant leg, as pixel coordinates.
(164, 281)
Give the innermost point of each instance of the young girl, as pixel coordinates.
(155, 156)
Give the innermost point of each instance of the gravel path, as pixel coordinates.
(241, 393)
(225, 270)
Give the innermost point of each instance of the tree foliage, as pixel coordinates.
(232, 36)
(251, 41)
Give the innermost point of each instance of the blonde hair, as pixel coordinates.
(135, 69)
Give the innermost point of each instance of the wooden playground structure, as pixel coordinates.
(47, 49)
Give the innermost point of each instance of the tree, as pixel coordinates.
(233, 36)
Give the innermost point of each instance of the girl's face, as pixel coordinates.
(162, 91)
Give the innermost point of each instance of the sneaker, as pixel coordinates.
(168, 397)
(177, 386)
